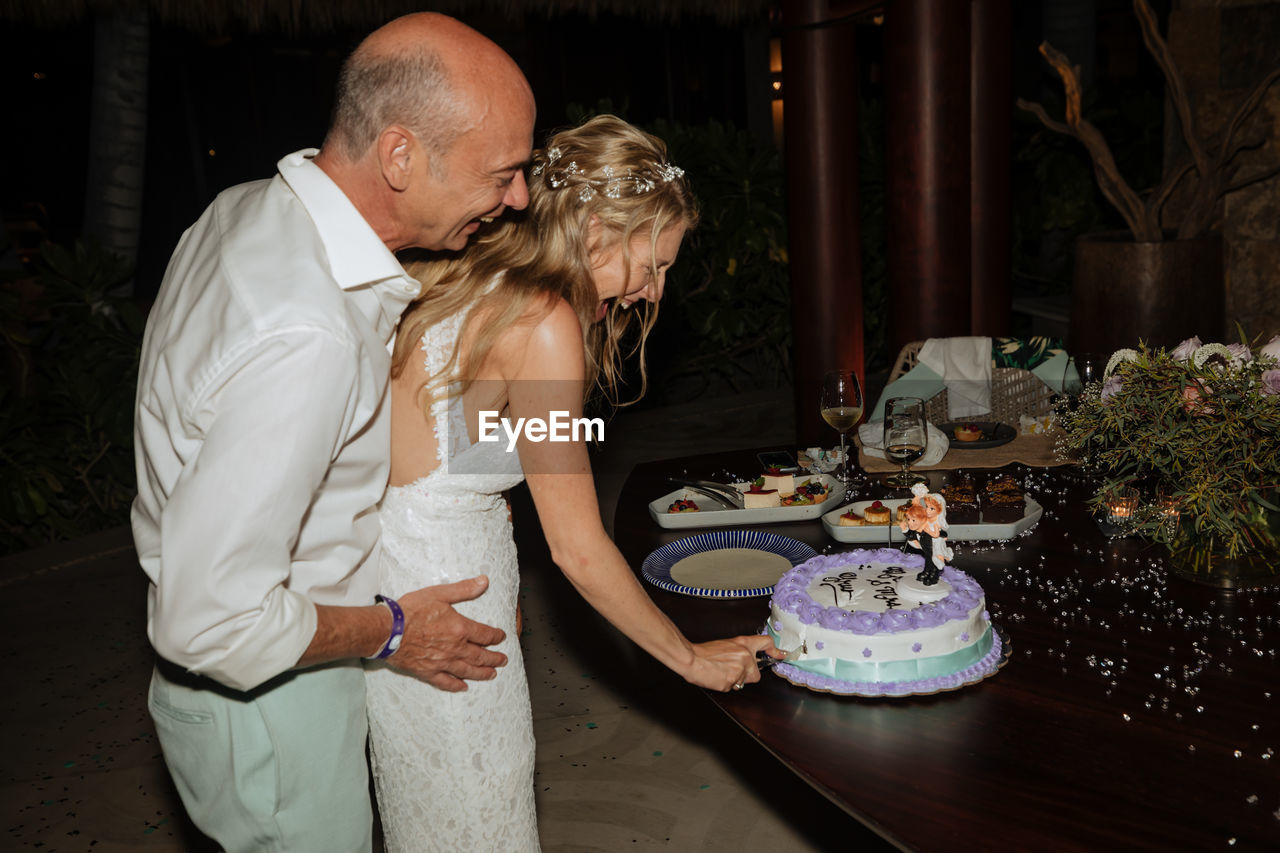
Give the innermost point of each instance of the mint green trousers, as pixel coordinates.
(278, 768)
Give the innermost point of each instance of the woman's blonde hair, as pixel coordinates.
(606, 169)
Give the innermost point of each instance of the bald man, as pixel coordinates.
(262, 438)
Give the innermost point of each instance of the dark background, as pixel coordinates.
(223, 108)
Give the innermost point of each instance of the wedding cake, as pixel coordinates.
(864, 624)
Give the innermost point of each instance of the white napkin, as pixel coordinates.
(872, 437)
(965, 366)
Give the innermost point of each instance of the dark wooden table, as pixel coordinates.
(1138, 711)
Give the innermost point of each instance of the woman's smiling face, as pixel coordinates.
(643, 275)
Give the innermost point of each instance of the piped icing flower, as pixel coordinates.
(791, 594)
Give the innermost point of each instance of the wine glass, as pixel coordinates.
(1088, 368)
(842, 406)
(1082, 368)
(906, 435)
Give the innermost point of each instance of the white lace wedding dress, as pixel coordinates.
(454, 771)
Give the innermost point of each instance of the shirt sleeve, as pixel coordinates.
(271, 427)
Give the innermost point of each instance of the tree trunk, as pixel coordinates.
(117, 131)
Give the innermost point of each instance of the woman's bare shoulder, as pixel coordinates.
(546, 341)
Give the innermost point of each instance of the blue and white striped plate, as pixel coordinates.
(657, 566)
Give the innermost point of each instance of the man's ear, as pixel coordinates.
(398, 156)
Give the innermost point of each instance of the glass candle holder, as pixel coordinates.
(1169, 512)
(1122, 506)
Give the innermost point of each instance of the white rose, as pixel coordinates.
(1185, 349)
(1272, 348)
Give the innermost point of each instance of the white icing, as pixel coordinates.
(875, 587)
(879, 589)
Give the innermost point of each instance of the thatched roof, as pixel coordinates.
(329, 15)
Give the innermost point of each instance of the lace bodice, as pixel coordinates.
(467, 486)
(454, 771)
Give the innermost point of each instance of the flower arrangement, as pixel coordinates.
(1196, 432)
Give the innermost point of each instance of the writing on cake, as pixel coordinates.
(848, 589)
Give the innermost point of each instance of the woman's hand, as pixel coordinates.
(729, 664)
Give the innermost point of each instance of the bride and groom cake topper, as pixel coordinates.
(924, 521)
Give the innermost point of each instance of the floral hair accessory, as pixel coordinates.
(610, 183)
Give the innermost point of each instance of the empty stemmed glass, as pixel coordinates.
(842, 406)
(906, 436)
(1082, 368)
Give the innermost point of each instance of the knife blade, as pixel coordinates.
(767, 662)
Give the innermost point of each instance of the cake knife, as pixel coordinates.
(767, 662)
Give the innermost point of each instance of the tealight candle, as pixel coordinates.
(1169, 512)
(1122, 506)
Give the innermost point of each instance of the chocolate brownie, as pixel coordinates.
(962, 501)
(1002, 501)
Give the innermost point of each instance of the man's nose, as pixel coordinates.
(517, 197)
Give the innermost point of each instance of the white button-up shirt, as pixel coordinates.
(262, 429)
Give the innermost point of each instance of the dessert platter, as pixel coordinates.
(869, 623)
(977, 435)
(772, 497)
(1000, 509)
(724, 563)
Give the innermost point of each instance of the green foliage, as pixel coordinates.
(1197, 432)
(727, 308)
(66, 421)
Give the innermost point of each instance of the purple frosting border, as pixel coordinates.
(791, 594)
(970, 675)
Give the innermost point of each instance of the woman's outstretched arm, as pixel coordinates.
(547, 376)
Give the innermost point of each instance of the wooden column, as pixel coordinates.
(927, 168)
(991, 157)
(820, 97)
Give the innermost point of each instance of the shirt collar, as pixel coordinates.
(357, 257)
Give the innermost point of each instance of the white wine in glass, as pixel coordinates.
(906, 436)
(842, 418)
(841, 407)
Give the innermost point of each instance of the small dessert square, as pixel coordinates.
(785, 484)
(1002, 501)
(758, 498)
(962, 502)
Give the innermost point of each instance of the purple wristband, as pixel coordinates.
(397, 627)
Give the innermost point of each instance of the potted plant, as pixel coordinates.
(1161, 281)
(1188, 440)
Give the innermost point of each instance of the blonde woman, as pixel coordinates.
(526, 322)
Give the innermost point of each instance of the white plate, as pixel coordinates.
(956, 532)
(661, 568)
(711, 513)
